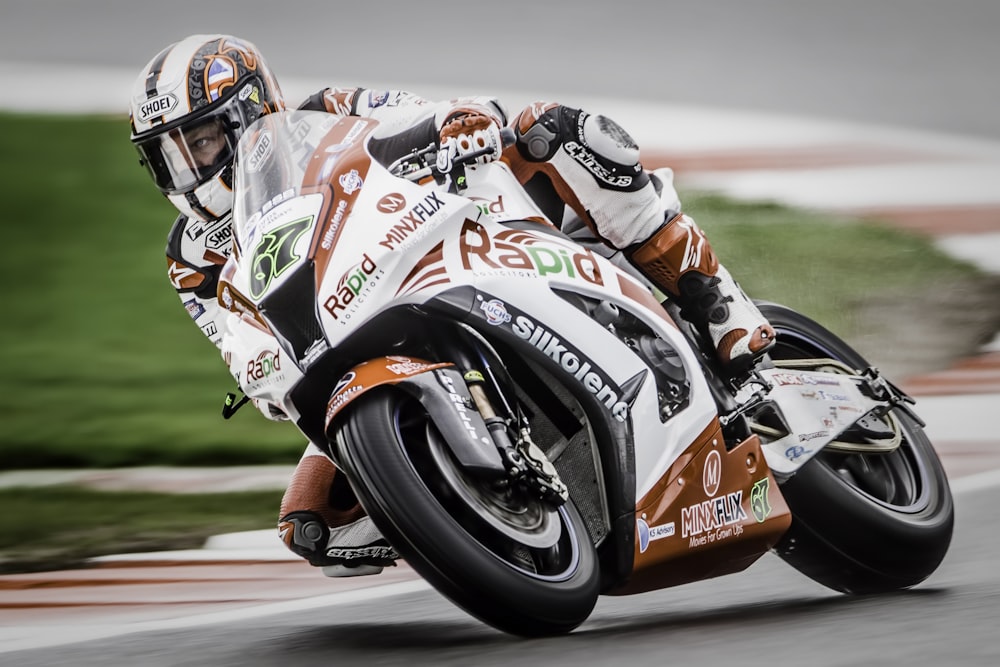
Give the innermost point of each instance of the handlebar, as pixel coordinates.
(423, 162)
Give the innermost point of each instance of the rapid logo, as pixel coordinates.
(573, 363)
(264, 365)
(350, 285)
(275, 254)
(478, 248)
(409, 223)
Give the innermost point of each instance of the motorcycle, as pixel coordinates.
(525, 422)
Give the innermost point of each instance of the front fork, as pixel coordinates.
(524, 461)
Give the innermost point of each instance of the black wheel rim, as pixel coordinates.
(897, 480)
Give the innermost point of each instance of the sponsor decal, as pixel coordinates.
(264, 366)
(760, 506)
(649, 533)
(574, 363)
(711, 477)
(795, 452)
(194, 308)
(391, 203)
(158, 106)
(220, 238)
(260, 152)
(411, 221)
(458, 401)
(481, 252)
(796, 379)
(490, 206)
(331, 230)
(275, 254)
(588, 160)
(351, 182)
(405, 366)
(179, 276)
(209, 329)
(806, 437)
(714, 519)
(377, 99)
(352, 285)
(496, 312)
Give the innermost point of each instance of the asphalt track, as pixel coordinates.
(938, 160)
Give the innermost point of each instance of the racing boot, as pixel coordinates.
(679, 260)
(322, 521)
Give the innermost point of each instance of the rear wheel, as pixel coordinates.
(494, 549)
(866, 519)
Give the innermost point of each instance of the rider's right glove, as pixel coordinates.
(471, 128)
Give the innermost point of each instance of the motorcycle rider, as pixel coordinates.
(192, 101)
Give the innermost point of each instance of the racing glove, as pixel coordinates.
(469, 129)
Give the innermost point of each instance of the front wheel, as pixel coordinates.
(494, 549)
(861, 522)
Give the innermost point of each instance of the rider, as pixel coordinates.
(192, 101)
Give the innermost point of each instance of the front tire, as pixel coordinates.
(862, 522)
(500, 554)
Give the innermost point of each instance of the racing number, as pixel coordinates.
(275, 254)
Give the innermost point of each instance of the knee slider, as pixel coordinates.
(305, 534)
(609, 141)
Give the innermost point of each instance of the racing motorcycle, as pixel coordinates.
(523, 419)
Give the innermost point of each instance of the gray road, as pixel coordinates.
(768, 616)
(928, 64)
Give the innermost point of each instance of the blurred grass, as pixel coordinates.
(101, 364)
(103, 368)
(70, 525)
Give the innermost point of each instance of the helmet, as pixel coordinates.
(189, 106)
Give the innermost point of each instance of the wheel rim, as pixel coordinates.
(520, 531)
(895, 479)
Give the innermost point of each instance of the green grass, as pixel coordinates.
(62, 527)
(102, 366)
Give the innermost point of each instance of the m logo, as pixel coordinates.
(391, 203)
(712, 475)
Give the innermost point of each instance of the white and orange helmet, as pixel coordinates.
(189, 106)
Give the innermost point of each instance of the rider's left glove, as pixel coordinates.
(471, 129)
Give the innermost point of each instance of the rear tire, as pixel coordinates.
(862, 523)
(503, 556)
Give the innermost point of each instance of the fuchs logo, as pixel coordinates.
(158, 106)
(712, 514)
(349, 286)
(391, 203)
(496, 312)
(712, 475)
(759, 503)
(573, 363)
(589, 162)
(409, 223)
(266, 363)
(351, 182)
(478, 248)
(261, 151)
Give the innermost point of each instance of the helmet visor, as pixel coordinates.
(184, 157)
